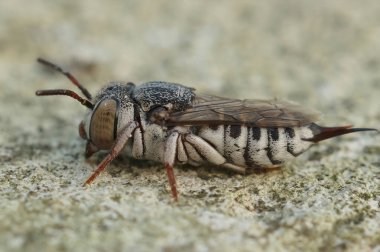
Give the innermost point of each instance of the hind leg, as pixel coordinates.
(169, 160)
(186, 147)
(191, 148)
(210, 154)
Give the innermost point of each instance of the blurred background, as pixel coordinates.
(318, 54)
(322, 54)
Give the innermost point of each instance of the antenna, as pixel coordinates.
(67, 74)
(66, 92)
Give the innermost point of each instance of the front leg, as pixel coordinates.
(191, 148)
(118, 146)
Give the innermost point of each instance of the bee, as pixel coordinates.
(171, 123)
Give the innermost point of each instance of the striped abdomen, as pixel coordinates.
(253, 147)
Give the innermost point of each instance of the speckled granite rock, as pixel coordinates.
(322, 54)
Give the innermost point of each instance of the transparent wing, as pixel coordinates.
(213, 110)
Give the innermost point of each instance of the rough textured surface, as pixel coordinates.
(319, 53)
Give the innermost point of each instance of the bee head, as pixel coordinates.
(110, 111)
(113, 110)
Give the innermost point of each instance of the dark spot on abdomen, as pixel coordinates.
(256, 133)
(214, 127)
(289, 132)
(273, 134)
(290, 135)
(235, 131)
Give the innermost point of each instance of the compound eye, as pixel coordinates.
(103, 125)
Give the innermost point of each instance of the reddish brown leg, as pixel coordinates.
(171, 179)
(169, 159)
(261, 170)
(121, 140)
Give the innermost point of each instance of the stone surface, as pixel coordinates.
(323, 54)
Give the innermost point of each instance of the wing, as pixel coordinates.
(213, 110)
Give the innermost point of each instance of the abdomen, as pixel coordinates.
(253, 147)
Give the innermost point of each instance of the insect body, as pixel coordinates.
(169, 123)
